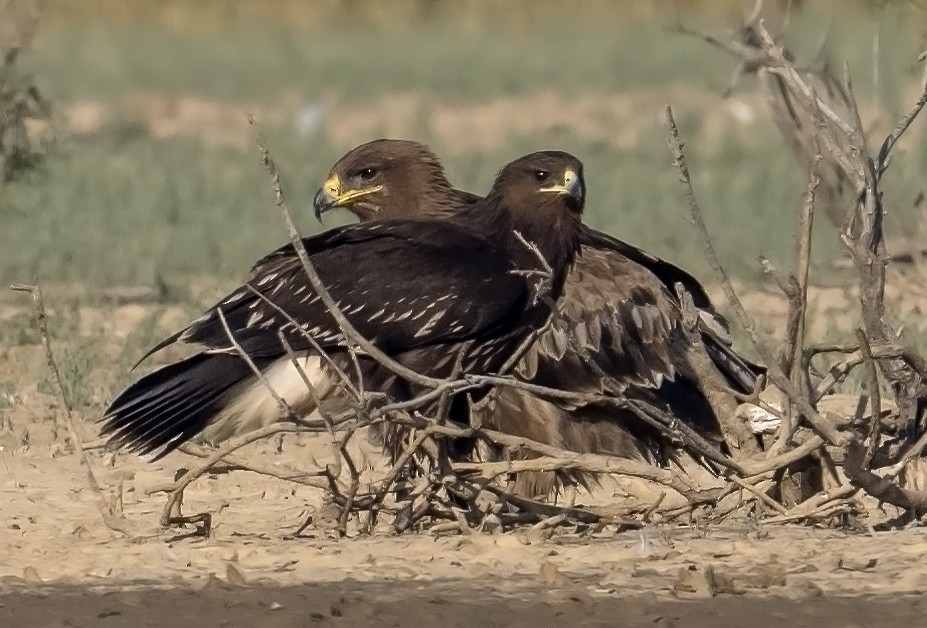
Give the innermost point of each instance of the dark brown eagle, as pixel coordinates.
(428, 292)
(618, 332)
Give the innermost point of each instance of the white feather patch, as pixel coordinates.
(252, 406)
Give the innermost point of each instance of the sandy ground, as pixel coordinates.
(60, 565)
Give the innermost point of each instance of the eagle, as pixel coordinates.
(432, 293)
(618, 331)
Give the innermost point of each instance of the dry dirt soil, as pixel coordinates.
(60, 565)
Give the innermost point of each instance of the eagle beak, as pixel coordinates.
(572, 185)
(327, 196)
(330, 196)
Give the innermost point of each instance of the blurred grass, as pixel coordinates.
(124, 207)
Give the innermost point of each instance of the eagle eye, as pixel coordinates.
(367, 174)
(541, 175)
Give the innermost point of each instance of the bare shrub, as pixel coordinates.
(21, 102)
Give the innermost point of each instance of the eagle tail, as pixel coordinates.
(170, 406)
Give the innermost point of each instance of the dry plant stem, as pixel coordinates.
(845, 146)
(913, 452)
(863, 232)
(828, 467)
(310, 478)
(748, 54)
(592, 463)
(111, 516)
(285, 408)
(739, 438)
(176, 489)
(882, 488)
(440, 417)
(648, 514)
(775, 373)
(694, 441)
(875, 397)
(387, 483)
(595, 463)
(342, 376)
(809, 446)
(542, 291)
(831, 509)
(347, 329)
(549, 522)
(814, 506)
(763, 497)
(347, 505)
(326, 418)
(904, 124)
(799, 303)
(838, 372)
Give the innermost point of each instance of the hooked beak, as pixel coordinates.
(330, 196)
(572, 185)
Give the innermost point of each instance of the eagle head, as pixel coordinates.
(546, 181)
(385, 178)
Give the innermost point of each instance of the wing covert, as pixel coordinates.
(416, 303)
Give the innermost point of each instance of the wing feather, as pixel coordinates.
(620, 325)
(418, 266)
(613, 330)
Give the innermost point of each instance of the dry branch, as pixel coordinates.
(819, 118)
(110, 506)
(798, 304)
(775, 373)
(175, 490)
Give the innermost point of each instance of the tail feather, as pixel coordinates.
(166, 408)
(152, 425)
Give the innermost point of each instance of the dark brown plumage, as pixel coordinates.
(618, 333)
(424, 291)
(390, 179)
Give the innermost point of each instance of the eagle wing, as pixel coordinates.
(713, 326)
(668, 274)
(613, 329)
(619, 324)
(403, 293)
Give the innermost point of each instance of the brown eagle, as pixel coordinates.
(428, 292)
(618, 332)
